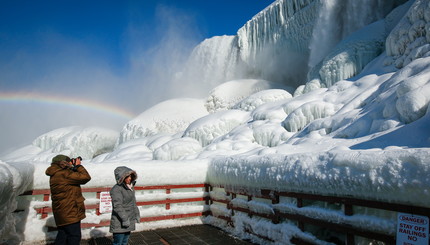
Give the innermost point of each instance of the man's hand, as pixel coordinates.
(77, 161)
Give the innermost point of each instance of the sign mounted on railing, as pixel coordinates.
(105, 202)
(412, 229)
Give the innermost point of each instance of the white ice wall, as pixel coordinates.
(409, 39)
(289, 38)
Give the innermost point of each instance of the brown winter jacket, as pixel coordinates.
(67, 200)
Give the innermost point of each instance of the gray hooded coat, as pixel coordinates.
(125, 213)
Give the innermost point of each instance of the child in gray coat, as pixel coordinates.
(125, 213)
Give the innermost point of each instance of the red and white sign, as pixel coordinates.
(412, 229)
(105, 202)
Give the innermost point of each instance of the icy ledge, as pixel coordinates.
(397, 175)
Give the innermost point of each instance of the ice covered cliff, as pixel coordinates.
(291, 38)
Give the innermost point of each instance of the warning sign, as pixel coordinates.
(105, 202)
(412, 229)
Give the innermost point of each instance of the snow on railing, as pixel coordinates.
(351, 217)
(238, 207)
(165, 199)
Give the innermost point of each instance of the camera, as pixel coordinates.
(73, 160)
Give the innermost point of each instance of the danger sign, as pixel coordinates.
(412, 229)
(105, 202)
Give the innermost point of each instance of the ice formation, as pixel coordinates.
(226, 95)
(207, 129)
(260, 98)
(409, 39)
(209, 58)
(293, 37)
(171, 116)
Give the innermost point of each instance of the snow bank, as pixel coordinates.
(398, 176)
(14, 179)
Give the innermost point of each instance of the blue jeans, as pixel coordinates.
(120, 238)
(69, 234)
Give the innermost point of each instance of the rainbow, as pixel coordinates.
(65, 101)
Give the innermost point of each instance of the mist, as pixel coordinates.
(54, 64)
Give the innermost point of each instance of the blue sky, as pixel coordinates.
(104, 28)
(110, 53)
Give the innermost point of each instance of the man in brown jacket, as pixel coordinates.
(66, 176)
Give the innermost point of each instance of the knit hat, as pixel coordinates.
(59, 158)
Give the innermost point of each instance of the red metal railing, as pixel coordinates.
(347, 203)
(45, 210)
(275, 215)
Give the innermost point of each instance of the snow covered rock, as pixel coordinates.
(207, 129)
(171, 116)
(228, 94)
(177, 149)
(412, 94)
(307, 113)
(77, 141)
(260, 98)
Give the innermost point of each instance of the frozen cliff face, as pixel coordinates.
(274, 43)
(350, 56)
(289, 38)
(331, 59)
(337, 19)
(410, 38)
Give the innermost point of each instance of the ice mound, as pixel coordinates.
(307, 113)
(207, 129)
(177, 148)
(270, 134)
(77, 141)
(171, 116)
(270, 111)
(228, 94)
(129, 151)
(412, 95)
(262, 97)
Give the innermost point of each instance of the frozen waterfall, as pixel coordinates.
(287, 41)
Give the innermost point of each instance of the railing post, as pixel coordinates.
(229, 206)
(275, 200)
(208, 189)
(45, 199)
(348, 211)
(167, 204)
(98, 197)
(249, 199)
(299, 223)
